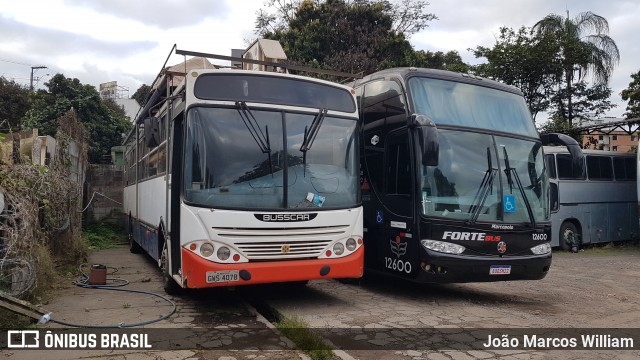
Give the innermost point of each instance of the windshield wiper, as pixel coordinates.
(485, 188)
(508, 170)
(261, 139)
(310, 136)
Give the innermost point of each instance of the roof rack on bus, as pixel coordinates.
(270, 63)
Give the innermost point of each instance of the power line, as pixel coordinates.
(15, 62)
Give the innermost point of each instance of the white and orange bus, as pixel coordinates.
(238, 177)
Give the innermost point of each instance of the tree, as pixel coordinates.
(408, 16)
(14, 103)
(581, 52)
(141, 94)
(104, 123)
(557, 124)
(632, 95)
(525, 60)
(315, 36)
(588, 102)
(437, 60)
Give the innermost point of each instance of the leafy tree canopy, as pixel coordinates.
(524, 60)
(632, 96)
(141, 94)
(351, 36)
(14, 102)
(105, 123)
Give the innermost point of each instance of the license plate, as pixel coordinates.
(222, 276)
(500, 270)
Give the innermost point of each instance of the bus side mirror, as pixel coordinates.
(427, 138)
(151, 132)
(577, 157)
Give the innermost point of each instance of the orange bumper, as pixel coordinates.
(195, 268)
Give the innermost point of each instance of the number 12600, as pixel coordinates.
(397, 265)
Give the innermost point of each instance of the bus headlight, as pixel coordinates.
(541, 249)
(351, 244)
(338, 249)
(206, 249)
(443, 247)
(223, 253)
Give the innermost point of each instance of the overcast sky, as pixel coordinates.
(128, 41)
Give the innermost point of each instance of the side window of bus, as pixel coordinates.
(382, 104)
(599, 167)
(398, 175)
(398, 168)
(565, 168)
(624, 168)
(550, 164)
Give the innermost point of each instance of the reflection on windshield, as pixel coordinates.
(460, 104)
(224, 167)
(452, 188)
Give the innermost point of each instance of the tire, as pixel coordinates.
(569, 237)
(170, 286)
(134, 247)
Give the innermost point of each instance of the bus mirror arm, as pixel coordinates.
(427, 138)
(577, 157)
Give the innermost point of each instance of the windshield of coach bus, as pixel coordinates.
(455, 103)
(470, 181)
(232, 163)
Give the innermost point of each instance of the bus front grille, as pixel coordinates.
(282, 250)
(281, 243)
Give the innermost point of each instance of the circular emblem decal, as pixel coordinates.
(285, 249)
(502, 247)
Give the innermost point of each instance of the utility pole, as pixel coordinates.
(34, 68)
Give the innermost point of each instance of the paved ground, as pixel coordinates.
(377, 318)
(592, 289)
(213, 320)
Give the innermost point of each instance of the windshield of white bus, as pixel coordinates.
(460, 104)
(225, 165)
(470, 179)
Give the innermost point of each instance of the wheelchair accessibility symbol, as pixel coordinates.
(509, 203)
(379, 217)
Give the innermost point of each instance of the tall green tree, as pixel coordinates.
(14, 103)
(350, 36)
(105, 124)
(408, 16)
(632, 96)
(525, 60)
(584, 48)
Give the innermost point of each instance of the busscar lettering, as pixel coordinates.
(286, 217)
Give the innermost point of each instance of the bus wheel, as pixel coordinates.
(170, 286)
(134, 247)
(569, 237)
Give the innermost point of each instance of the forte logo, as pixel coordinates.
(476, 236)
(463, 235)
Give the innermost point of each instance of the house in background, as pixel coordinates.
(613, 138)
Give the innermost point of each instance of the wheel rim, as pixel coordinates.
(569, 237)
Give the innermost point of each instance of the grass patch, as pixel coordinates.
(306, 340)
(12, 321)
(103, 235)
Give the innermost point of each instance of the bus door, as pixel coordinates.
(400, 249)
